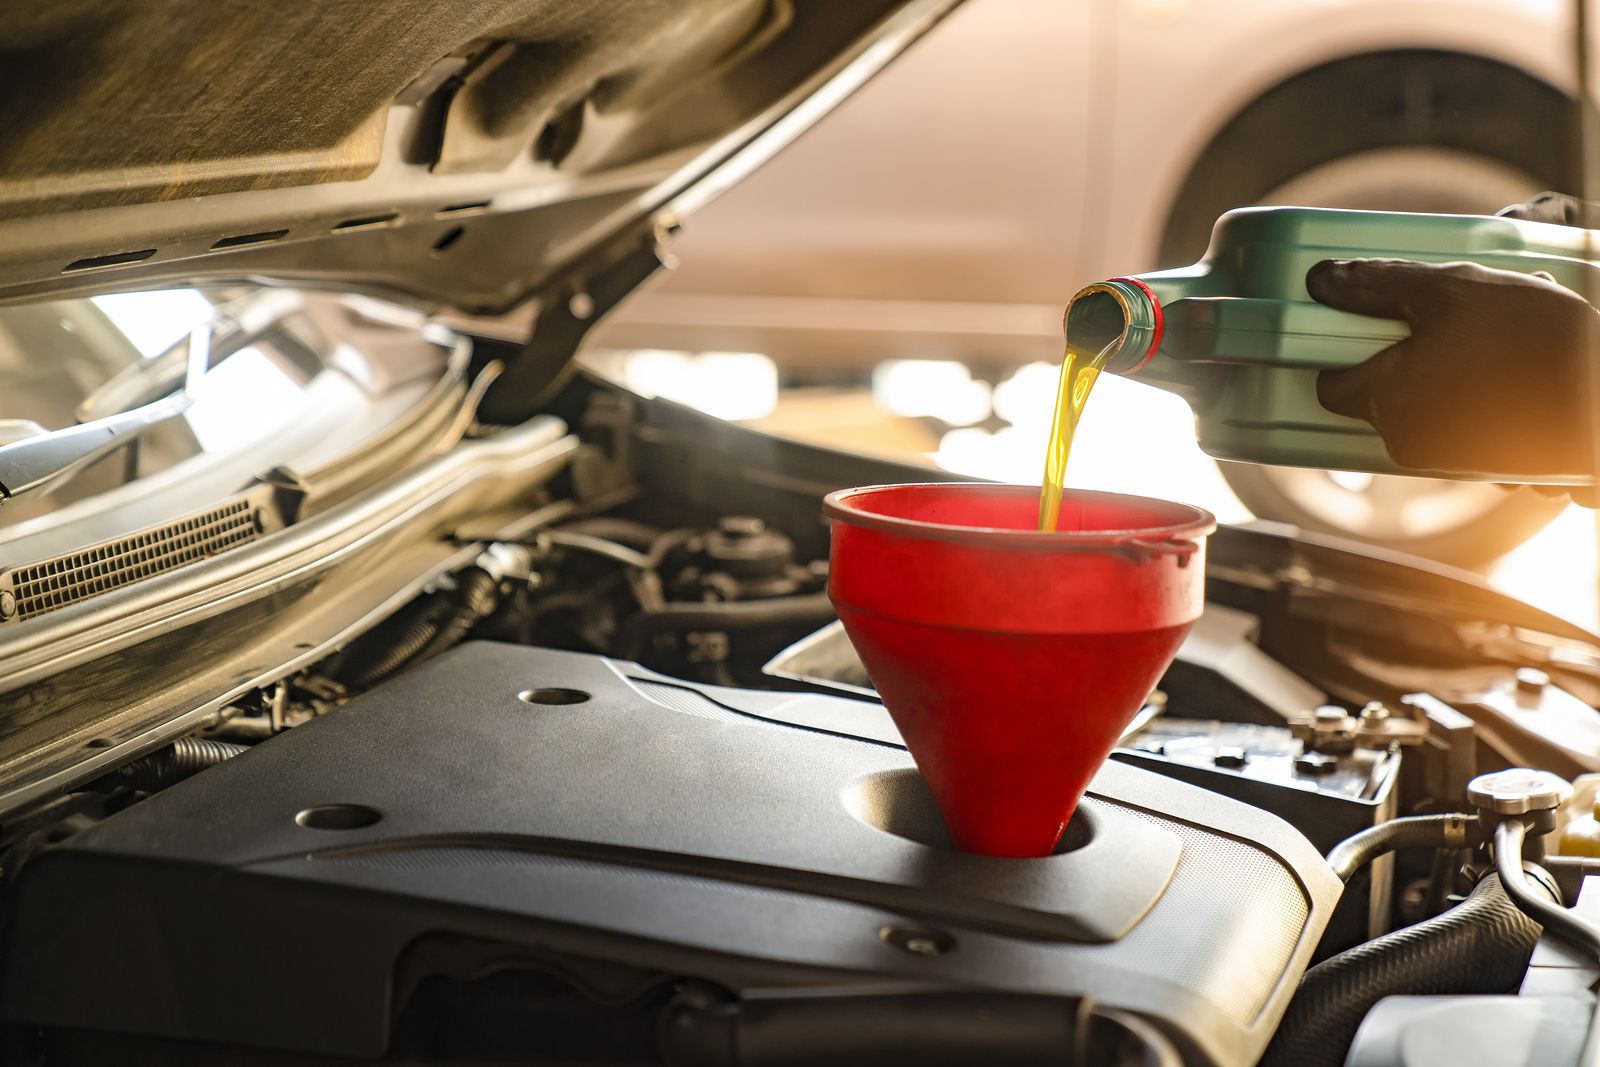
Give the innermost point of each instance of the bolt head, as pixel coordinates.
(1330, 714)
(1316, 763)
(1231, 757)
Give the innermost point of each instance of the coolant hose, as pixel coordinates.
(184, 758)
(1528, 895)
(1417, 831)
(1569, 926)
(1481, 945)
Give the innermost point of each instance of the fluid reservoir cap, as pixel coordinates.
(1517, 791)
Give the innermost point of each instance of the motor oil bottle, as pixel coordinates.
(1239, 338)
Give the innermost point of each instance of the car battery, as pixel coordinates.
(1326, 796)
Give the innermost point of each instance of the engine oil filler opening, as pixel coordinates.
(554, 696)
(338, 817)
(898, 802)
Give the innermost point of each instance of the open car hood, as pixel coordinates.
(467, 153)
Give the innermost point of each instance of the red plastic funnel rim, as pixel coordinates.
(1197, 522)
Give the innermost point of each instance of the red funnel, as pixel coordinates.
(1011, 660)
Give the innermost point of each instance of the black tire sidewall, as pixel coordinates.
(1400, 99)
(1474, 545)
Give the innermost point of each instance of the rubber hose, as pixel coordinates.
(599, 546)
(1417, 831)
(423, 629)
(1569, 926)
(1482, 945)
(474, 597)
(184, 758)
(1526, 894)
(740, 615)
(624, 531)
(407, 634)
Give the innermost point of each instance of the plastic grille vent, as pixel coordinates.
(55, 583)
(1266, 909)
(686, 701)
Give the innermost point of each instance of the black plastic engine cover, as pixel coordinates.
(612, 824)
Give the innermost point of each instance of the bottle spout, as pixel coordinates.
(1121, 310)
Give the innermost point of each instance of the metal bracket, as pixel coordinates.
(574, 305)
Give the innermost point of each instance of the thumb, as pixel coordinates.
(1383, 288)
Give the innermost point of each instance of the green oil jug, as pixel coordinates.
(1241, 340)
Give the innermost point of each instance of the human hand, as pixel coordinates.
(1495, 374)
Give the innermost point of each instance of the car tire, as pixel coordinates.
(1465, 524)
(1398, 131)
(1468, 107)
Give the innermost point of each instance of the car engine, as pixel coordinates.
(512, 819)
(615, 789)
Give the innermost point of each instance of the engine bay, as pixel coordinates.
(379, 684)
(606, 784)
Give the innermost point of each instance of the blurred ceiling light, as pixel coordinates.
(972, 452)
(931, 388)
(728, 385)
(735, 385)
(655, 372)
(1026, 398)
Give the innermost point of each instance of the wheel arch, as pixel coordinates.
(1393, 97)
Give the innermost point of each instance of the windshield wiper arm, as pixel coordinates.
(36, 462)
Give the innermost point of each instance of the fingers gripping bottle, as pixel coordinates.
(1239, 338)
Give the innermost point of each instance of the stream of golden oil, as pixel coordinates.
(1079, 369)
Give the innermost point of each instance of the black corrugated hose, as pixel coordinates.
(473, 599)
(184, 758)
(1481, 945)
(422, 629)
